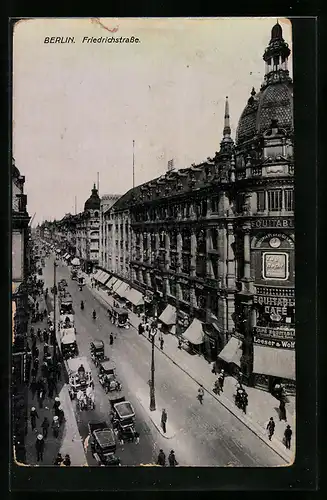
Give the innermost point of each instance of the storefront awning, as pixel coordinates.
(172, 329)
(97, 274)
(168, 316)
(110, 281)
(134, 296)
(194, 332)
(100, 276)
(116, 285)
(232, 351)
(274, 362)
(122, 290)
(104, 278)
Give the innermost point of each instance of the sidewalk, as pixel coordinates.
(262, 405)
(68, 441)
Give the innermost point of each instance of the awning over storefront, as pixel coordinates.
(104, 278)
(134, 296)
(97, 274)
(172, 329)
(168, 316)
(194, 332)
(100, 276)
(116, 285)
(122, 290)
(232, 351)
(274, 362)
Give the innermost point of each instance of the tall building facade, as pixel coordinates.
(215, 241)
(107, 200)
(88, 232)
(19, 274)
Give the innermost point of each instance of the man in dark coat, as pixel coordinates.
(282, 410)
(141, 328)
(164, 417)
(172, 459)
(161, 459)
(111, 339)
(46, 336)
(39, 446)
(34, 415)
(45, 427)
(271, 428)
(287, 436)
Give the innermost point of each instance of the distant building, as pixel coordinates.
(107, 200)
(20, 270)
(87, 232)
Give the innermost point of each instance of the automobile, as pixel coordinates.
(63, 282)
(103, 444)
(122, 417)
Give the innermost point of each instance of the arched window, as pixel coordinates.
(96, 214)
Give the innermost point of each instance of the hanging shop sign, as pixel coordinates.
(274, 333)
(272, 223)
(280, 344)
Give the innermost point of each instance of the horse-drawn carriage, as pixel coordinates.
(80, 382)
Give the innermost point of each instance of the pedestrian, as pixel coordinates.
(282, 410)
(179, 343)
(161, 343)
(44, 369)
(36, 352)
(172, 459)
(39, 445)
(41, 393)
(161, 459)
(36, 365)
(61, 415)
(66, 462)
(271, 428)
(50, 388)
(55, 426)
(221, 379)
(45, 427)
(137, 437)
(111, 339)
(164, 418)
(56, 404)
(34, 415)
(58, 460)
(46, 336)
(200, 394)
(287, 437)
(33, 385)
(141, 328)
(214, 368)
(58, 370)
(45, 349)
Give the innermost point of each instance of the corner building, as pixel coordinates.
(88, 232)
(211, 246)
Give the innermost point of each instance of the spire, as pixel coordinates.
(227, 131)
(227, 141)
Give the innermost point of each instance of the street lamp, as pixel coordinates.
(153, 333)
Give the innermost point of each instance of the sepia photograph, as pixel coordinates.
(153, 242)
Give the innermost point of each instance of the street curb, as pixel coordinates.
(152, 420)
(253, 427)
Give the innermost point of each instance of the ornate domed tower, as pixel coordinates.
(265, 211)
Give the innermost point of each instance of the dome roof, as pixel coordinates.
(275, 102)
(93, 202)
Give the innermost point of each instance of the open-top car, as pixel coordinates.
(103, 443)
(107, 376)
(97, 351)
(122, 417)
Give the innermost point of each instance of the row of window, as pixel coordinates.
(275, 200)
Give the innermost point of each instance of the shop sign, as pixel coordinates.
(273, 301)
(272, 223)
(272, 237)
(275, 333)
(281, 344)
(275, 265)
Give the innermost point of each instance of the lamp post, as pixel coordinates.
(55, 265)
(152, 389)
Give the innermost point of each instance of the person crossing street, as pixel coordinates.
(271, 428)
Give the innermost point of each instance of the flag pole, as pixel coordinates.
(133, 165)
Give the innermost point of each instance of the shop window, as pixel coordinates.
(201, 266)
(201, 299)
(186, 294)
(172, 286)
(186, 264)
(214, 239)
(214, 204)
(275, 200)
(214, 265)
(261, 201)
(240, 200)
(289, 200)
